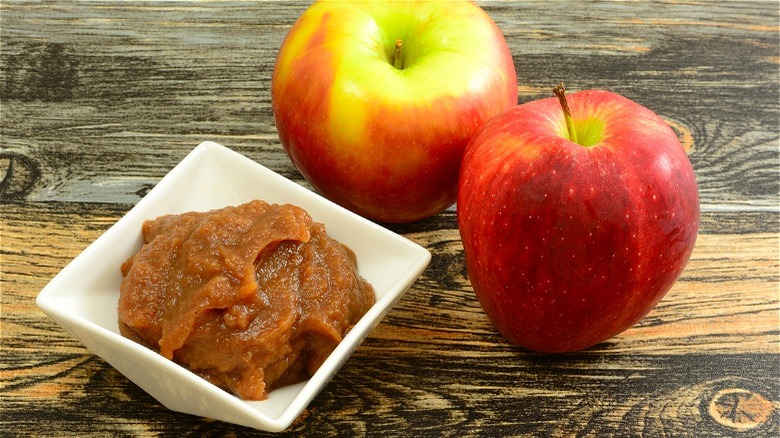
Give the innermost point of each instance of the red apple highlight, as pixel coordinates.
(572, 234)
(375, 102)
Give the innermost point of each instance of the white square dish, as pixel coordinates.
(83, 297)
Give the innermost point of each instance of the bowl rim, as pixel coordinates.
(249, 416)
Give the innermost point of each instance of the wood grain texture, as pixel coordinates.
(202, 71)
(101, 99)
(435, 363)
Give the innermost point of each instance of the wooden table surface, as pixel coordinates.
(101, 99)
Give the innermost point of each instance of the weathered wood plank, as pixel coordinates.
(202, 72)
(648, 374)
(521, 395)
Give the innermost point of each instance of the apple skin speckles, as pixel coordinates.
(612, 225)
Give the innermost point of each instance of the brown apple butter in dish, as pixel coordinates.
(250, 297)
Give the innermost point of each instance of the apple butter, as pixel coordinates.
(250, 297)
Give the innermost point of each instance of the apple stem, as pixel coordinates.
(560, 91)
(398, 61)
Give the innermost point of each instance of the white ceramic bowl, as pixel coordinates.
(83, 297)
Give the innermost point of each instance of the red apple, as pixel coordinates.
(574, 227)
(375, 101)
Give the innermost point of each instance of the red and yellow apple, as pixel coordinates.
(375, 101)
(576, 224)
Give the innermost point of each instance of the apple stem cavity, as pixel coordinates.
(398, 61)
(560, 91)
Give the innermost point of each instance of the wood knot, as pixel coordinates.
(18, 176)
(740, 409)
(683, 133)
